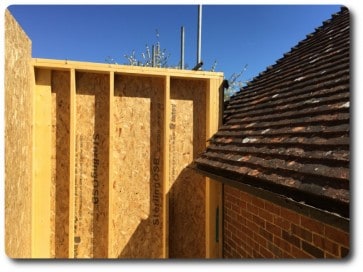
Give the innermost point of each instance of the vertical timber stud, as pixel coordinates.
(72, 162)
(213, 188)
(110, 163)
(220, 89)
(166, 183)
(41, 229)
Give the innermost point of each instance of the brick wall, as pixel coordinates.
(256, 228)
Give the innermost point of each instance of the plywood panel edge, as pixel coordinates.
(18, 141)
(213, 189)
(41, 186)
(72, 144)
(208, 185)
(166, 185)
(110, 169)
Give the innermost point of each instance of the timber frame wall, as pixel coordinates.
(105, 150)
(18, 139)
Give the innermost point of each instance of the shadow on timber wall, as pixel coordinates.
(187, 192)
(186, 233)
(125, 217)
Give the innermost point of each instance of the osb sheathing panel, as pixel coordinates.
(91, 177)
(117, 197)
(19, 80)
(60, 164)
(187, 193)
(136, 220)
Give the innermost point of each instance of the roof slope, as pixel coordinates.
(288, 130)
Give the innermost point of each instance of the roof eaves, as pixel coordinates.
(323, 215)
(306, 196)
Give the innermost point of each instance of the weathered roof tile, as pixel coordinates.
(288, 130)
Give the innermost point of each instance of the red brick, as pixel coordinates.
(234, 254)
(247, 256)
(246, 248)
(290, 238)
(302, 233)
(227, 217)
(259, 239)
(265, 215)
(258, 202)
(230, 255)
(242, 204)
(286, 255)
(290, 216)
(227, 233)
(312, 225)
(299, 254)
(243, 195)
(329, 256)
(285, 246)
(236, 239)
(267, 235)
(240, 233)
(232, 228)
(236, 193)
(226, 247)
(247, 231)
(236, 208)
(257, 255)
(232, 246)
(266, 253)
(274, 249)
(246, 214)
(272, 208)
(231, 199)
(337, 235)
(273, 229)
(326, 244)
(227, 205)
(251, 225)
(252, 208)
(259, 221)
(241, 219)
(233, 214)
(239, 202)
(248, 198)
(282, 223)
(249, 241)
(255, 244)
(312, 250)
(231, 243)
(229, 190)
(230, 213)
(331, 247)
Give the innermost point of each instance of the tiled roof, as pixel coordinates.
(288, 130)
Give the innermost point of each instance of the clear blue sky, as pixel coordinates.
(233, 35)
